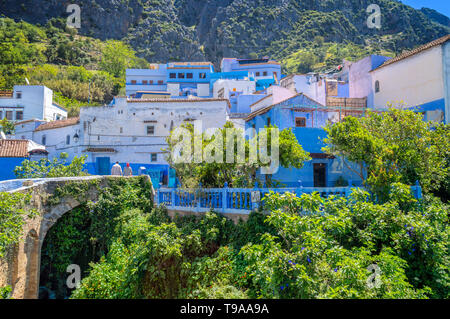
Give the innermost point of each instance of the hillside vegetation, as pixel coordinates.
(303, 35)
(161, 30)
(79, 69)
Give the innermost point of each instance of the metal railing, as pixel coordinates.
(239, 200)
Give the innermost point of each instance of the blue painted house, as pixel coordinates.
(189, 78)
(307, 118)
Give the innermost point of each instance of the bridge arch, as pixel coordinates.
(21, 267)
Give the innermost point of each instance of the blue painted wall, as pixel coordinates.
(7, 166)
(195, 75)
(310, 137)
(157, 172)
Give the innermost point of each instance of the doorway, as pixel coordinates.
(320, 171)
(103, 165)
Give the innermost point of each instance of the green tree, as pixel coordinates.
(12, 218)
(394, 146)
(7, 126)
(238, 170)
(58, 167)
(117, 57)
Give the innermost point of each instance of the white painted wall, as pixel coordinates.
(415, 80)
(229, 86)
(36, 101)
(203, 89)
(123, 128)
(25, 131)
(173, 89)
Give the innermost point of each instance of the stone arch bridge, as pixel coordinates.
(21, 266)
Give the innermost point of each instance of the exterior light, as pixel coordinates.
(76, 138)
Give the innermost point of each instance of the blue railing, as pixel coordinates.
(239, 200)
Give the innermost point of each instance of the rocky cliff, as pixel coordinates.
(162, 30)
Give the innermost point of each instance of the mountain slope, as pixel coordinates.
(161, 30)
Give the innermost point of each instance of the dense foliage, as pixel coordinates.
(394, 146)
(57, 167)
(308, 247)
(12, 218)
(79, 69)
(86, 234)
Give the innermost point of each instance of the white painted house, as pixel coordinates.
(128, 131)
(27, 102)
(418, 79)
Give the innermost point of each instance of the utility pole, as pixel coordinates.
(89, 97)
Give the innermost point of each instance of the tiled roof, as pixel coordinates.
(27, 121)
(13, 148)
(408, 54)
(190, 63)
(58, 124)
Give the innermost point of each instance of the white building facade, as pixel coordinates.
(130, 131)
(417, 80)
(28, 102)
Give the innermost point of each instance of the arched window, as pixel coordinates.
(377, 86)
(68, 139)
(44, 139)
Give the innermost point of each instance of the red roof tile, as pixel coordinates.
(13, 148)
(58, 124)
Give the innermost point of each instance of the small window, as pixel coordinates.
(377, 86)
(133, 81)
(44, 140)
(1, 115)
(300, 122)
(172, 75)
(150, 82)
(144, 81)
(23, 137)
(154, 157)
(202, 75)
(257, 73)
(265, 73)
(150, 130)
(9, 115)
(121, 130)
(19, 115)
(18, 95)
(160, 82)
(189, 75)
(181, 75)
(68, 139)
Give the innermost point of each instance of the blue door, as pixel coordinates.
(103, 165)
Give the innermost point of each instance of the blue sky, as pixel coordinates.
(442, 6)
